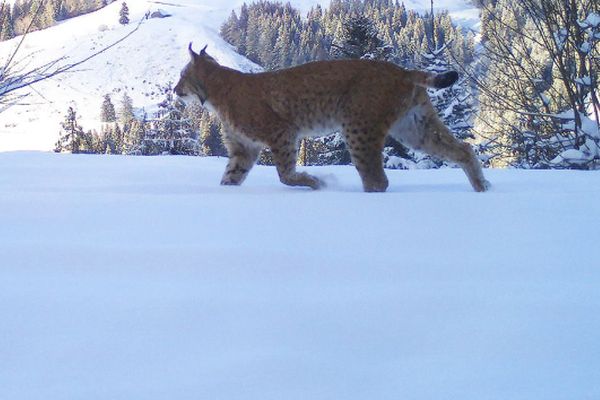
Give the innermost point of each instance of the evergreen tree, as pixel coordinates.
(108, 135)
(210, 136)
(107, 113)
(6, 22)
(124, 14)
(60, 10)
(360, 40)
(242, 25)
(118, 140)
(125, 113)
(170, 132)
(88, 142)
(134, 136)
(70, 136)
(17, 10)
(231, 32)
(47, 14)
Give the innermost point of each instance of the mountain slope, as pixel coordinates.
(153, 55)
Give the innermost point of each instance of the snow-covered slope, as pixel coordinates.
(153, 55)
(142, 278)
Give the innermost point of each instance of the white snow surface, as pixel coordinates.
(142, 278)
(152, 56)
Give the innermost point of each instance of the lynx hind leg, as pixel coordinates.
(366, 146)
(437, 140)
(284, 156)
(242, 156)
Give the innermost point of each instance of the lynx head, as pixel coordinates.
(191, 83)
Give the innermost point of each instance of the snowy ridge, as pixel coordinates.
(141, 278)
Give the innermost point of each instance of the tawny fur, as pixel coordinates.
(366, 100)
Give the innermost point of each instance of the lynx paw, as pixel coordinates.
(230, 182)
(483, 186)
(316, 183)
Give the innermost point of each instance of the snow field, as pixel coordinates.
(142, 278)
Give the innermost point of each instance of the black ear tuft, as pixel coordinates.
(203, 51)
(192, 54)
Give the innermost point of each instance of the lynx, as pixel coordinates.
(366, 100)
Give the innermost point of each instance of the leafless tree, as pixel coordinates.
(542, 62)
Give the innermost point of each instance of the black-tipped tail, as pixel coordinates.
(445, 80)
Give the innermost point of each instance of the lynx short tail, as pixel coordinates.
(432, 80)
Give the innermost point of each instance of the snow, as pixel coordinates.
(586, 47)
(584, 81)
(592, 21)
(573, 156)
(142, 278)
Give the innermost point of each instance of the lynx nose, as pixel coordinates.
(179, 91)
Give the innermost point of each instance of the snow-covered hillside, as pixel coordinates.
(153, 55)
(142, 278)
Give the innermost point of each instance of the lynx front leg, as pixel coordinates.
(242, 156)
(285, 161)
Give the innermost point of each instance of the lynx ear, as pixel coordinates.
(192, 54)
(203, 51)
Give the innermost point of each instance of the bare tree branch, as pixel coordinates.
(13, 79)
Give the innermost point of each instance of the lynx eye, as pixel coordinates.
(184, 71)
